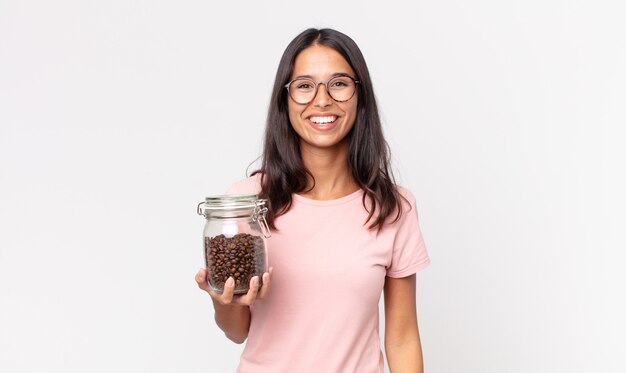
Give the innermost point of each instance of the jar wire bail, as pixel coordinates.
(259, 215)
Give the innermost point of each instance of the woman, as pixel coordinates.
(342, 230)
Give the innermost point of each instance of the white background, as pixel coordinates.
(505, 119)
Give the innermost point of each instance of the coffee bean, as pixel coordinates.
(241, 256)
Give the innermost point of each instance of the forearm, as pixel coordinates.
(234, 320)
(402, 337)
(405, 357)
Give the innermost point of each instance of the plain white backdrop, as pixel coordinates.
(505, 119)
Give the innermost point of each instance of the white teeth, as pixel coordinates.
(323, 120)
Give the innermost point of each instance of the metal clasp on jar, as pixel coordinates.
(258, 215)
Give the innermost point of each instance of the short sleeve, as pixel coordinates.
(234, 189)
(409, 250)
(251, 185)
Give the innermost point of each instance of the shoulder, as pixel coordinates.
(408, 205)
(404, 192)
(406, 197)
(250, 185)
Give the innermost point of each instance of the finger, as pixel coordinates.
(265, 288)
(201, 279)
(203, 283)
(250, 296)
(227, 295)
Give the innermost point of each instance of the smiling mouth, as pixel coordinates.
(323, 120)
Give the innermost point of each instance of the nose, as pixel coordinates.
(322, 99)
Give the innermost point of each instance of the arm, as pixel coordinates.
(234, 320)
(402, 340)
(232, 313)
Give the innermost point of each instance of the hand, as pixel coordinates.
(228, 297)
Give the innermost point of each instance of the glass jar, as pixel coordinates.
(235, 240)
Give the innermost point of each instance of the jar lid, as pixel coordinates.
(231, 202)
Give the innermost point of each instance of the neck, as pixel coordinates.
(329, 167)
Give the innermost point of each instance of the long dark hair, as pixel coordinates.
(282, 170)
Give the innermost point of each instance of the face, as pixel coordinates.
(323, 123)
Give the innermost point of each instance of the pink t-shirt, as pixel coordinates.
(321, 314)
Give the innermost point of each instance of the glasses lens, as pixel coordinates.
(341, 88)
(302, 90)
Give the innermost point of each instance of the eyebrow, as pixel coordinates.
(332, 76)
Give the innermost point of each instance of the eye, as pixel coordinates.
(303, 85)
(340, 83)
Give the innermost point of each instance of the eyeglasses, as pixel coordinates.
(340, 88)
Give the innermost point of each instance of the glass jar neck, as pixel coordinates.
(229, 214)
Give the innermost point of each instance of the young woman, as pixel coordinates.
(343, 232)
